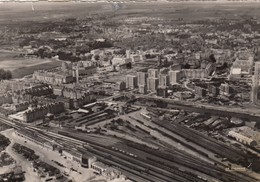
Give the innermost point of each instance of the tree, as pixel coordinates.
(5, 75)
(212, 58)
(96, 57)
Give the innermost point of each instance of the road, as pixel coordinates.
(47, 156)
(20, 161)
(186, 86)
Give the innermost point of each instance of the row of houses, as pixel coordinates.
(40, 112)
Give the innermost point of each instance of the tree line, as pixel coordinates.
(5, 74)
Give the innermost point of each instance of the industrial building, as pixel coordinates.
(241, 138)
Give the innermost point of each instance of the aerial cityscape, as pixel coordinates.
(130, 91)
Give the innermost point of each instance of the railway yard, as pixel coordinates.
(153, 144)
(127, 92)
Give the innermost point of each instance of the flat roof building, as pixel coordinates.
(241, 138)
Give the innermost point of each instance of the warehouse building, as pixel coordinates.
(242, 139)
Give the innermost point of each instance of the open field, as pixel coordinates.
(24, 70)
(24, 66)
(6, 54)
(13, 64)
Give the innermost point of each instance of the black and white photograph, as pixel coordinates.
(129, 90)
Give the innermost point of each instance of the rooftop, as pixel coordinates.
(99, 165)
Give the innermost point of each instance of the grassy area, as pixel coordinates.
(6, 55)
(23, 71)
(21, 67)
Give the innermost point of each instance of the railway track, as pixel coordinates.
(208, 169)
(152, 167)
(91, 119)
(96, 148)
(148, 168)
(204, 141)
(85, 117)
(203, 154)
(200, 108)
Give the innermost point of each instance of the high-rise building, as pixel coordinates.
(141, 78)
(255, 86)
(143, 89)
(152, 84)
(153, 73)
(174, 77)
(131, 81)
(75, 74)
(164, 80)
